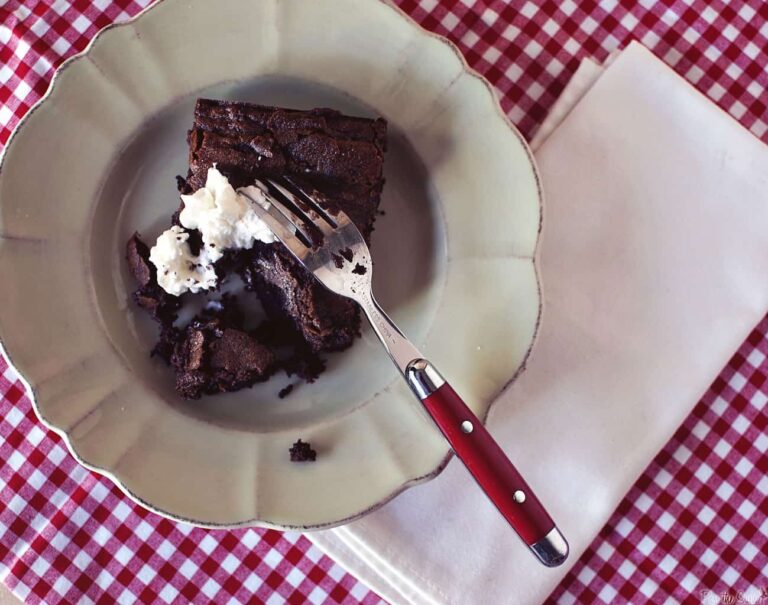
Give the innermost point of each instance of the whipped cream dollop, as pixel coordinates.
(225, 217)
(226, 220)
(178, 270)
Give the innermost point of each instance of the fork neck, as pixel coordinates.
(399, 348)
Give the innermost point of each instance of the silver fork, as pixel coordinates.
(342, 263)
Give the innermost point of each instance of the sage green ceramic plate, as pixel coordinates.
(96, 159)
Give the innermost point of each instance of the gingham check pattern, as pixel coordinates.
(693, 529)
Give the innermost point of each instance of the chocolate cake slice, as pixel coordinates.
(339, 156)
(322, 150)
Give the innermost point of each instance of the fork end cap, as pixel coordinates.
(552, 549)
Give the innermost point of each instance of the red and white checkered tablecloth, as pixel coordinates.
(693, 529)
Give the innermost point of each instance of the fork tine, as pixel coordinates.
(318, 219)
(339, 220)
(277, 207)
(281, 227)
(312, 202)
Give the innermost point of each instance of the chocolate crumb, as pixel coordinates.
(359, 269)
(347, 254)
(285, 391)
(301, 451)
(337, 260)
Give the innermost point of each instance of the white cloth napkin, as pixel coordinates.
(654, 262)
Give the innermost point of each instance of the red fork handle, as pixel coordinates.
(488, 464)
